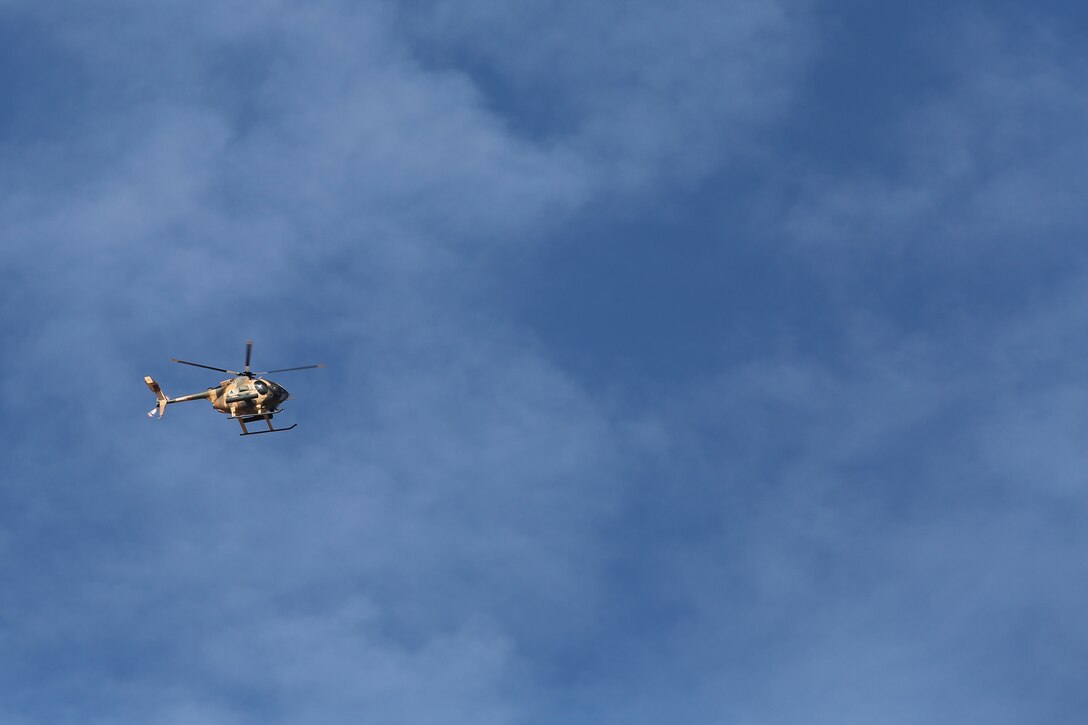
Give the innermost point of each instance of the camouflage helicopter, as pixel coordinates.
(247, 397)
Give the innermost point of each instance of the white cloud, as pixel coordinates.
(991, 161)
(439, 522)
(646, 94)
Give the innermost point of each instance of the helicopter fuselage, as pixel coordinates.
(242, 396)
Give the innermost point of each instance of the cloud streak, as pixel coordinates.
(882, 527)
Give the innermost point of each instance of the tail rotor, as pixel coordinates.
(161, 396)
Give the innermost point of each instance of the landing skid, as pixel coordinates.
(266, 418)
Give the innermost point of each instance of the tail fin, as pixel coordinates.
(163, 400)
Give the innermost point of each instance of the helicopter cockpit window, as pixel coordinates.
(261, 387)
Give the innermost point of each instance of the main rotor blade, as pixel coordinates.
(208, 367)
(249, 350)
(301, 367)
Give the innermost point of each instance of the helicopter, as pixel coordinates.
(247, 397)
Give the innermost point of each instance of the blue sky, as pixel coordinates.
(711, 363)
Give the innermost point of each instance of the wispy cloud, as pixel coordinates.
(461, 529)
(295, 175)
(989, 161)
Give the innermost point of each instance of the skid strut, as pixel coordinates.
(266, 418)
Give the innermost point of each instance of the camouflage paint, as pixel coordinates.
(245, 397)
